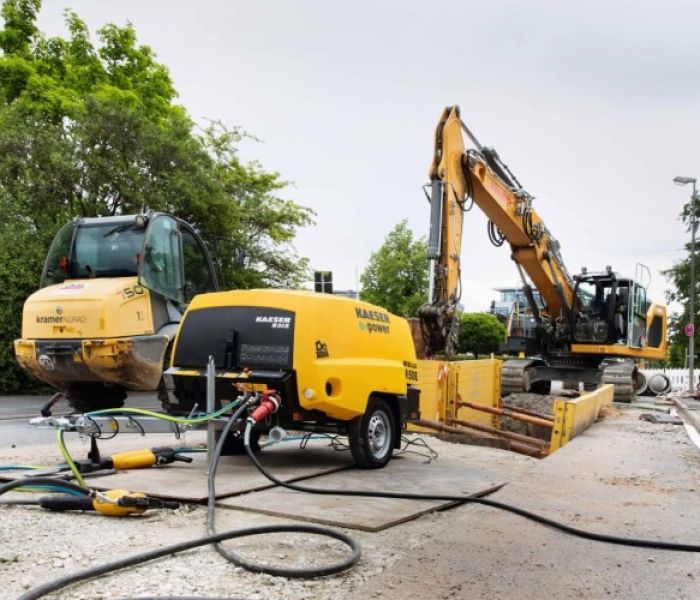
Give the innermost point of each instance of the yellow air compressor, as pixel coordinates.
(338, 365)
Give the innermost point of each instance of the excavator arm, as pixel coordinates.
(448, 193)
(458, 176)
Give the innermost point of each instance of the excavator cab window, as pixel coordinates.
(593, 322)
(621, 317)
(638, 317)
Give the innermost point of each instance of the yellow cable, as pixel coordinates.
(68, 459)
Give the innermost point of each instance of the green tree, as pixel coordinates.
(679, 277)
(480, 333)
(397, 275)
(93, 129)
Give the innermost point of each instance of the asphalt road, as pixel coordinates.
(15, 412)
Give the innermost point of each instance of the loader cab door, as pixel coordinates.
(161, 268)
(198, 270)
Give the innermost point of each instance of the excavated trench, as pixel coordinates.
(538, 404)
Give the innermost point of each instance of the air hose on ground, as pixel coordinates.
(217, 538)
(589, 535)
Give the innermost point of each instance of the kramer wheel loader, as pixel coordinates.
(112, 293)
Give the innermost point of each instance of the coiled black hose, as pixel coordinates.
(213, 537)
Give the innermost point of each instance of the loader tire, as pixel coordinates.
(371, 435)
(86, 396)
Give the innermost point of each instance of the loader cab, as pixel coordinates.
(165, 253)
(609, 310)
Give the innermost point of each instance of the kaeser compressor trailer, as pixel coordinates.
(336, 364)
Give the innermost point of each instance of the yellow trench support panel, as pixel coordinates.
(572, 417)
(444, 384)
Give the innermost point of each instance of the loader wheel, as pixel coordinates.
(372, 435)
(87, 396)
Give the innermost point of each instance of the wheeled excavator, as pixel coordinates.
(594, 327)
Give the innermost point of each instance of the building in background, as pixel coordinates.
(505, 305)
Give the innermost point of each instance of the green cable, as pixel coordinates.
(138, 411)
(68, 459)
(148, 413)
(21, 467)
(45, 488)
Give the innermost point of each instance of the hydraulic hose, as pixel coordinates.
(589, 535)
(306, 572)
(142, 557)
(41, 481)
(212, 538)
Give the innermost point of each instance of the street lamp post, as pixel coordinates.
(691, 338)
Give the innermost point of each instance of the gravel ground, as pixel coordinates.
(37, 546)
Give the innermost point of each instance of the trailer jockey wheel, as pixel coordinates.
(372, 435)
(234, 445)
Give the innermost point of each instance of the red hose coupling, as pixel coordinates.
(269, 404)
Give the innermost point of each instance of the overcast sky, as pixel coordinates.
(594, 105)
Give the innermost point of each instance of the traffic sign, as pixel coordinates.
(689, 330)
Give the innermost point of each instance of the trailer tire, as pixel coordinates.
(371, 435)
(86, 396)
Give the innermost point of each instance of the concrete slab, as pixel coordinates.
(402, 474)
(235, 474)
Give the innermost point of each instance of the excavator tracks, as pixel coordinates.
(624, 377)
(514, 376)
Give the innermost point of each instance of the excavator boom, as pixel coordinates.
(586, 320)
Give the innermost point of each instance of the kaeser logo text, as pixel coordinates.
(275, 322)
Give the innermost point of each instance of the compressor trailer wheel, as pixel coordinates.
(371, 435)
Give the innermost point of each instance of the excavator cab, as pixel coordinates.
(609, 310)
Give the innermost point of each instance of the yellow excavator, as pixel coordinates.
(113, 291)
(594, 327)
